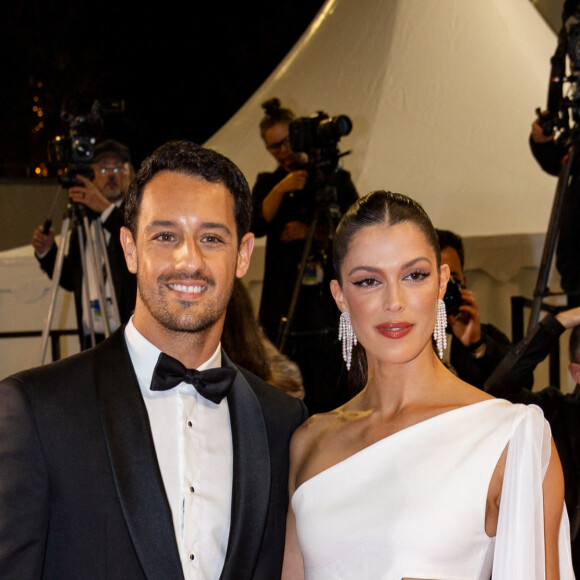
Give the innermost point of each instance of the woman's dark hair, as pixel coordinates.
(241, 337)
(378, 207)
(274, 113)
(244, 341)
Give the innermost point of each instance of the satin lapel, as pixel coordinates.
(133, 460)
(251, 481)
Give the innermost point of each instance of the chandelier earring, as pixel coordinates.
(348, 338)
(439, 333)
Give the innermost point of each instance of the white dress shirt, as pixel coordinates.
(193, 442)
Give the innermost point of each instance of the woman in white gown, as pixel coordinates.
(420, 475)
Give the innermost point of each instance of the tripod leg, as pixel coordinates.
(287, 321)
(65, 230)
(97, 272)
(110, 307)
(551, 237)
(86, 292)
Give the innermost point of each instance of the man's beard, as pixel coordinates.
(112, 190)
(157, 306)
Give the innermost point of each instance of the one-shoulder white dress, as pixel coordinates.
(413, 505)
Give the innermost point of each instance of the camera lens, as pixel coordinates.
(452, 298)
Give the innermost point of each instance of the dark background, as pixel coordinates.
(181, 69)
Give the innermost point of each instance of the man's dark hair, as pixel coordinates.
(449, 239)
(191, 159)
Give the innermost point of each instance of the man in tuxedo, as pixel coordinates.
(103, 199)
(123, 462)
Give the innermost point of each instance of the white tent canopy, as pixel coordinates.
(441, 95)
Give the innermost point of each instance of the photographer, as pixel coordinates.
(103, 197)
(284, 207)
(475, 349)
(551, 155)
(513, 380)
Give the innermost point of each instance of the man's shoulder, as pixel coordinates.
(75, 369)
(45, 380)
(264, 389)
(273, 400)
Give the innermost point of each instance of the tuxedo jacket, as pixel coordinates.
(71, 276)
(81, 493)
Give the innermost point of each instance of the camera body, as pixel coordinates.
(73, 154)
(453, 299)
(318, 132)
(317, 136)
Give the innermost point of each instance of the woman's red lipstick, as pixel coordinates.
(395, 329)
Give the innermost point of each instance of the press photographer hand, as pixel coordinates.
(294, 181)
(42, 242)
(87, 194)
(466, 325)
(538, 135)
(294, 231)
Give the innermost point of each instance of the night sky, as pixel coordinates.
(181, 69)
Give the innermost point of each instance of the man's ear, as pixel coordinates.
(129, 249)
(245, 250)
(574, 369)
(443, 279)
(338, 295)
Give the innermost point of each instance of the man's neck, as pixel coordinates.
(192, 349)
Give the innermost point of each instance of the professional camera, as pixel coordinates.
(452, 298)
(73, 154)
(318, 131)
(563, 101)
(317, 136)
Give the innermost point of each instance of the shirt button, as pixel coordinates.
(189, 423)
(192, 557)
(191, 489)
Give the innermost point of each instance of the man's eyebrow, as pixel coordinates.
(204, 226)
(160, 224)
(214, 226)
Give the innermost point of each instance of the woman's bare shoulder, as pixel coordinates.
(311, 430)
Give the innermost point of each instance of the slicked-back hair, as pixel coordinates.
(188, 158)
(380, 207)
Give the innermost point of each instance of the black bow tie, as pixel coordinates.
(213, 384)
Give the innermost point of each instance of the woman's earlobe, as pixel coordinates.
(337, 294)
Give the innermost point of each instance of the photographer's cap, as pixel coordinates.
(112, 148)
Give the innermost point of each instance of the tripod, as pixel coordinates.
(562, 190)
(323, 196)
(95, 265)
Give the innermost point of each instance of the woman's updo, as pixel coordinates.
(274, 113)
(380, 207)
